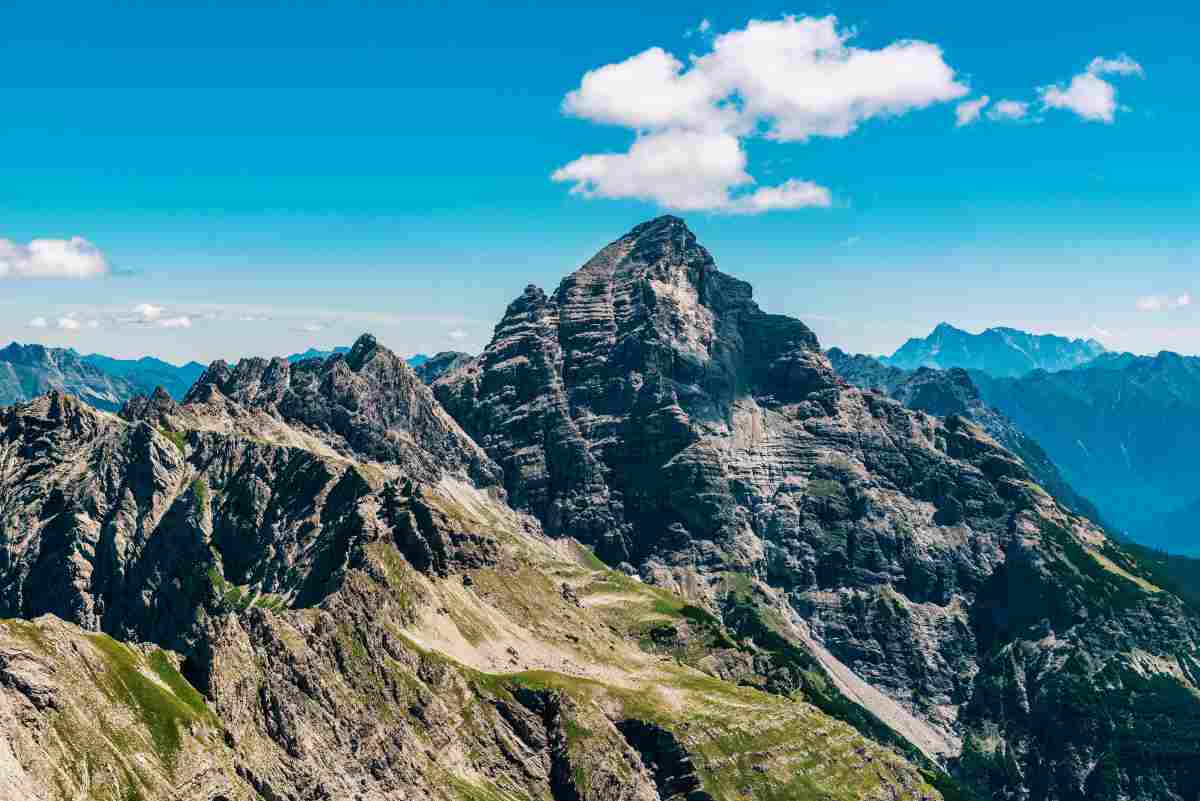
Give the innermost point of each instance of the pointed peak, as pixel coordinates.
(362, 349)
(364, 343)
(667, 223)
(661, 230)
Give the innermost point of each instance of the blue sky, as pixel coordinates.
(261, 179)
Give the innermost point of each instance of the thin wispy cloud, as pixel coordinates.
(968, 111)
(1157, 303)
(1008, 111)
(785, 80)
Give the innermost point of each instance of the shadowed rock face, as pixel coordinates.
(650, 408)
(366, 402)
(582, 396)
(348, 624)
(947, 392)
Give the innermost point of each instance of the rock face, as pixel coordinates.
(953, 392)
(649, 408)
(366, 402)
(85, 716)
(323, 595)
(432, 367)
(27, 371)
(996, 351)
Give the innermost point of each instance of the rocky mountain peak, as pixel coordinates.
(650, 408)
(366, 402)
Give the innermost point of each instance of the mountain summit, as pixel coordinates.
(649, 407)
(996, 351)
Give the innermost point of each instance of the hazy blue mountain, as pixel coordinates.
(148, 372)
(414, 361)
(1125, 431)
(998, 351)
(27, 371)
(313, 353)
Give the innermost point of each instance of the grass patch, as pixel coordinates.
(160, 709)
(177, 439)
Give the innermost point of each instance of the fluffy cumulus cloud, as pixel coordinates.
(39, 322)
(1154, 303)
(1088, 94)
(787, 80)
(52, 258)
(968, 111)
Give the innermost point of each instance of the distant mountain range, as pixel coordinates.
(998, 351)
(1118, 429)
(147, 373)
(313, 353)
(27, 371)
(1125, 430)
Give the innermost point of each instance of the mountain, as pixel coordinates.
(147, 373)
(415, 361)
(884, 560)
(432, 367)
(1124, 430)
(30, 370)
(952, 392)
(303, 581)
(313, 353)
(997, 351)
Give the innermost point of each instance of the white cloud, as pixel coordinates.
(52, 258)
(1100, 333)
(704, 26)
(67, 324)
(458, 335)
(1121, 65)
(679, 169)
(148, 311)
(1009, 110)
(791, 194)
(968, 111)
(174, 322)
(1154, 303)
(38, 322)
(1088, 95)
(788, 80)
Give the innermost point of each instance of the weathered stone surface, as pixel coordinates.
(361, 619)
(649, 408)
(947, 392)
